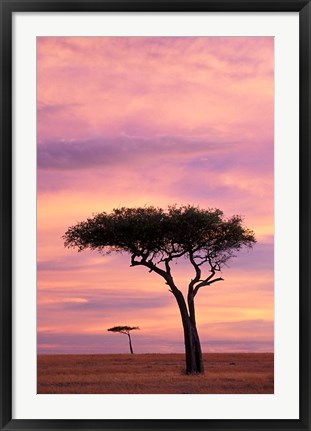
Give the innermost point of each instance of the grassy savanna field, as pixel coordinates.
(225, 373)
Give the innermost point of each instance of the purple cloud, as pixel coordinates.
(107, 151)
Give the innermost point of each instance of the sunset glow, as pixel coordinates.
(133, 121)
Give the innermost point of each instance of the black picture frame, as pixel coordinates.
(8, 7)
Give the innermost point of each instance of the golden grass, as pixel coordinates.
(225, 373)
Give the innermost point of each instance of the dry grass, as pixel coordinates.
(225, 373)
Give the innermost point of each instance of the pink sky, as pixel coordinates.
(153, 121)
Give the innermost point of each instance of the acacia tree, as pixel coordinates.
(156, 238)
(124, 330)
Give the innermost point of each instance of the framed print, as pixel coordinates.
(155, 215)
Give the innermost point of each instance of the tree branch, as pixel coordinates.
(203, 259)
(152, 267)
(208, 281)
(167, 266)
(216, 279)
(171, 254)
(197, 272)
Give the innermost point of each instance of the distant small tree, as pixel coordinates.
(124, 330)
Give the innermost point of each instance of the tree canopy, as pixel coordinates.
(152, 230)
(122, 329)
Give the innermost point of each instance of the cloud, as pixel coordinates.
(240, 345)
(73, 262)
(100, 300)
(107, 151)
(104, 342)
(107, 304)
(44, 108)
(252, 328)
(49, 342)
(238, 56)
(259, 258)
(159, 84)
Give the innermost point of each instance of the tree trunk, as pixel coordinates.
(197, 344)
(194, 360)
(130, 342)
(198, 351)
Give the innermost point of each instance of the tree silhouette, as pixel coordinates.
(156, 238)
(124, 330)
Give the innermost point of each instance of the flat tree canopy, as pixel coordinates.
(155, 238)
(150, 232)
(122, 329)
